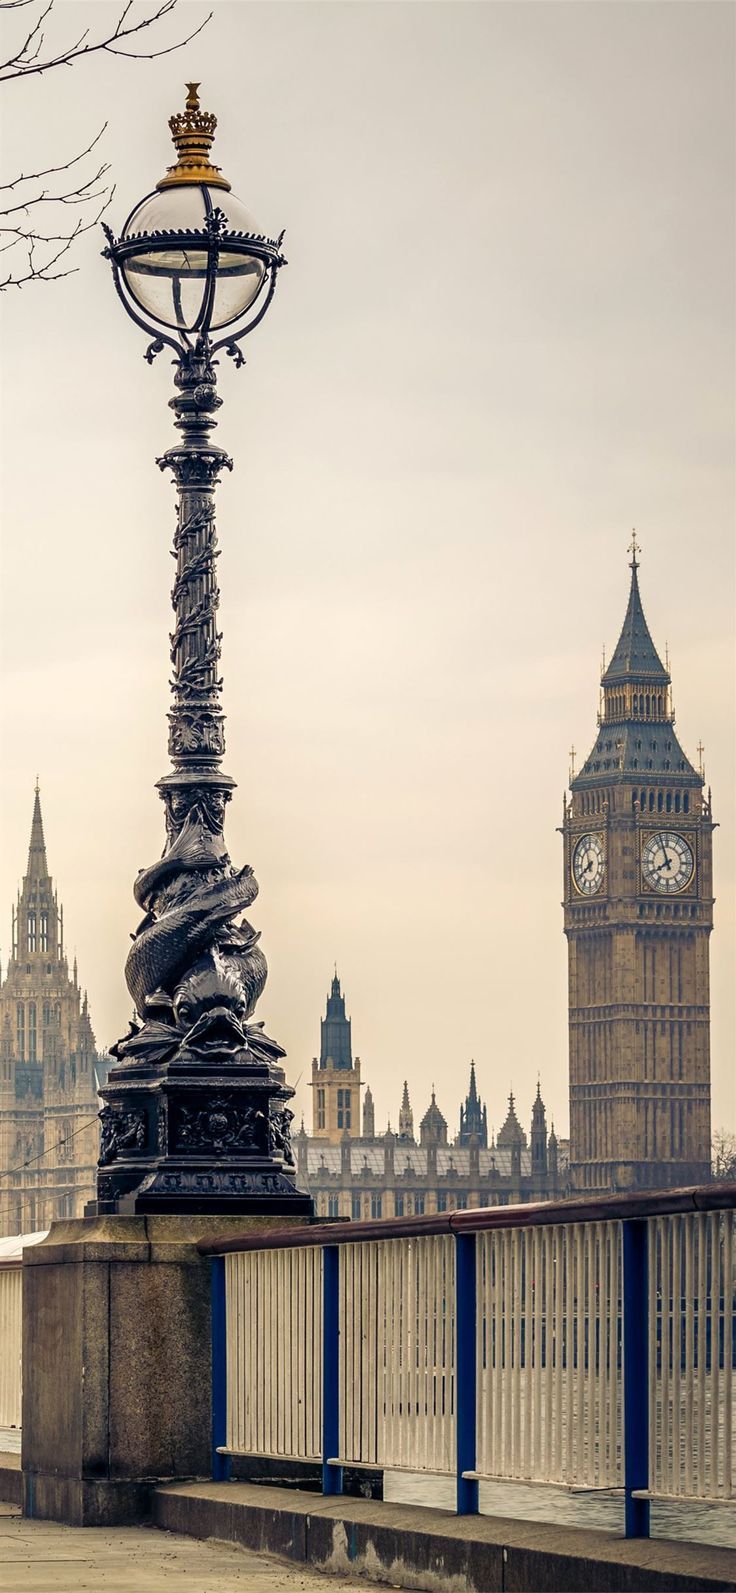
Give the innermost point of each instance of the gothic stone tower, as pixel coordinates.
(48, 1089)
(638, 905)
(335, 1078)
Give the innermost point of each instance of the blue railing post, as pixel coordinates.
(636, 1375)
(331, 1475)
(465, 1371)
(221, 1464)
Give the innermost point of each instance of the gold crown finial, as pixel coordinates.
(193, 131)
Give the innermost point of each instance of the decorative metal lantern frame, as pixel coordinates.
(207, 246)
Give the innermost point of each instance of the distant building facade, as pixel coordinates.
(638, 906)
(352, 1171)
(49, 1066)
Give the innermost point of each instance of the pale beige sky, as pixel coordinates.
(505, 336)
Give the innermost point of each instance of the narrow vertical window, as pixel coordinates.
(21, 1031)
(44, 932)
(32, 1053)
(320, 1108)
(31, 931)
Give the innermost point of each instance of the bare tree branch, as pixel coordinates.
(43, 249)
(48, 171)
(42, 271)
(27, 60)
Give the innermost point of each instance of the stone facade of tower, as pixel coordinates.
(397, 1175)
(335, 1077)
(638, 912)
(48, 1064)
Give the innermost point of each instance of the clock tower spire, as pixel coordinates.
(638, 906)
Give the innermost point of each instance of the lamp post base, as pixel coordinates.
(200, 1136)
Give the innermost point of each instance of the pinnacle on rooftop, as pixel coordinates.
(37, 864)
(635, 656)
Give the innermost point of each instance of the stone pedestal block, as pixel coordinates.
(117, 1363)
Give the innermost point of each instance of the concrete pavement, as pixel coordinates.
(42, 1557)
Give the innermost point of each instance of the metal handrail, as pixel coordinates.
(603, 1208)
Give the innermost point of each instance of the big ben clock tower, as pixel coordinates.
(638, 905)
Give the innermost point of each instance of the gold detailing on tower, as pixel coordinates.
(193, 131)
(634, 548)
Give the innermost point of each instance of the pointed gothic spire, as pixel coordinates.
(37, 865)
(406, 1116)
(473, 1119)
(635, 656)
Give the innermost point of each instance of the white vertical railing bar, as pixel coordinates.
(728, 1369)
(691, 1304)
(274, 1352)
(397, 1303)
(549, 1365)
(10, 1345)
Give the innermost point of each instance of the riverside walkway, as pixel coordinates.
(42, 1557)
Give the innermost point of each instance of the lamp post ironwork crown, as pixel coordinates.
(196, 1109)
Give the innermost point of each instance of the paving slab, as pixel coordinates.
(43, 1557)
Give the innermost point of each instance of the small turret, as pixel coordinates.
(433, 1127)
(369, 1115)
(552, 1154)
(473, 1116)
(406, 1118)
(539, 1138)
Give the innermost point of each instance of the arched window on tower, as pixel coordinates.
(32, 1039)
(31, 931)
(20, 1021)
(677, 802)
(44, 932)
(686, 802)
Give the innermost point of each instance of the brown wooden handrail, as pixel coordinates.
(602, 1208)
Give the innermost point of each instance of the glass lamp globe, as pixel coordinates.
(168, 276)
(176, 270)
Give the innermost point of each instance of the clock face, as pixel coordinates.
(587, 864)
(667, 861)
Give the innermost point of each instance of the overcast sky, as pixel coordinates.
(505, 336)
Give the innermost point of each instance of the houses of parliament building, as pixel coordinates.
(49, 1064)
(638, 912)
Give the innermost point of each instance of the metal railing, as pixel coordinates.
(11, 1323)
(588, 1344)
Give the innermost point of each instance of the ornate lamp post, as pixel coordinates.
(196, 1113)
